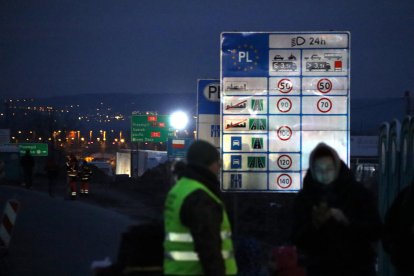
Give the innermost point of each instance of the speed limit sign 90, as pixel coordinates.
(285, 85)
(284, 105)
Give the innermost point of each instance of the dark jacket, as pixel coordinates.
(72, 167)
(399, 231)
(85, 172)
(335, 246)
(203, 216)
(27, 162)
(51, 168)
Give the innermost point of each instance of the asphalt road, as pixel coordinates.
(57, 237)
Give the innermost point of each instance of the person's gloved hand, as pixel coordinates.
(320, 214)
(339, 216)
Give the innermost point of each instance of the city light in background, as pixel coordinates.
(179, 120)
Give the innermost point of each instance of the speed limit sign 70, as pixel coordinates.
(324, 105)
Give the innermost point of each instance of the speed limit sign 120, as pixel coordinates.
(284, 162)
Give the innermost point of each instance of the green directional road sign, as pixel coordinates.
(36, 149)
(151, 128)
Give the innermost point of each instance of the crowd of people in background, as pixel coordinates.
(76, 174)
(336, 224)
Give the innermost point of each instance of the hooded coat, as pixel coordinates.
(335, 246)
(399, 231)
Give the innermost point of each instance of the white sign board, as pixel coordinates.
(208, 109)
(282, 94)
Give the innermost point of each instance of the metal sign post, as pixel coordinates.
(282, 94)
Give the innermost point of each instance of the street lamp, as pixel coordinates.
(179, 120)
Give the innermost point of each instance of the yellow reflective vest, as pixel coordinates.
(180, 256)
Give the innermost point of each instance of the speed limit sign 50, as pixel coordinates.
(324, 86)
(285, 85)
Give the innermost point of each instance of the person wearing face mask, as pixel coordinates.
(336, 222)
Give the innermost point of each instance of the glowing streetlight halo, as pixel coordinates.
(179, 120)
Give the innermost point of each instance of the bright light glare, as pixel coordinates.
(179, 120)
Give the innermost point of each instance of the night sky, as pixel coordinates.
(50, 48)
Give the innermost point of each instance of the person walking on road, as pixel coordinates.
(197, 228)
(85, 173)
(398, 238)
(336, 221)
(52, 171)
(72, 167)
(2, 171)
(27, 162)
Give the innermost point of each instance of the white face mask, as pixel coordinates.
(324, 170)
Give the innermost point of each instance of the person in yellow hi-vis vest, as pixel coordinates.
(197, 228)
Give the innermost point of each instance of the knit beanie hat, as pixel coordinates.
(202, 153)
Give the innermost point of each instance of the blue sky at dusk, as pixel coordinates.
(50, 48)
